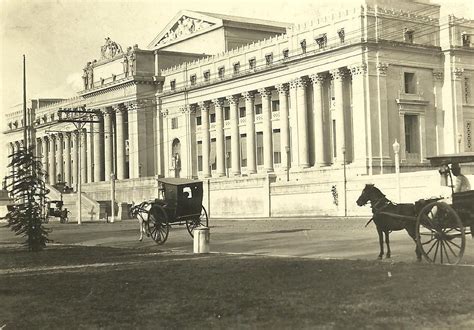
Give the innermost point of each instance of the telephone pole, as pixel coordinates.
(79, 117)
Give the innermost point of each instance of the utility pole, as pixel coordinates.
(25, 122)
(79, 117)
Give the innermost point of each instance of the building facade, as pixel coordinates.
(223, 96)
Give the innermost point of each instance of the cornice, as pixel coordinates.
(119, 84)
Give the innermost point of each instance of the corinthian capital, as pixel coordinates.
(298, 83)
(233, 99)
(382, 68)
(318, 78)
(358, 69)
(339, 73)
(131, 106)
(457, 73)
(218, 103)
(282, 89)
(204, 106)
(248, 96)
(265, 92)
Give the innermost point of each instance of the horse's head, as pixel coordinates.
(369, 193)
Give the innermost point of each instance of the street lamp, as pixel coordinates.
(345, 179)
(396, 151)
(459, 142)
(288, 162)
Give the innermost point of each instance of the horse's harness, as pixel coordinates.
(378, 207)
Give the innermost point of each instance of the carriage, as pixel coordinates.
(437, 225)
(179, 202)
(442, 225)
(55, 209)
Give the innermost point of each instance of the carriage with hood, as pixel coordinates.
(438, 225)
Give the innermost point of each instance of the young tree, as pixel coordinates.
(27, 188)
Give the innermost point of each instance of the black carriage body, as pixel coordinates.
(181, 198)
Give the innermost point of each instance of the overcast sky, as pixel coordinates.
(59, 37)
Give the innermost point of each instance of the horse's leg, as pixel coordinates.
(411, 231)
(387, 241)
(379, 231)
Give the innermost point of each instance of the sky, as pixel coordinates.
(59, 37)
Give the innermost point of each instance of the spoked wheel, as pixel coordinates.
(440, 234)
(192, 223)
(158, 226)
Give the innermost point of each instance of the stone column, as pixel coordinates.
(44, 153)
(294, 147)
(234, 133)
(206, 138)
(250, 128)
(266, 95)
(385, 147)
(438, 77)
(59, 156)
(302, 121)
(318, 117)
(108, 145)
(52, 160)
(67, 161)
(120, 140)
(83, 143)
(137, 139)
(359, 114)
(338, 77)
(75, 158)
(98, 149)
(284, 123)
(220, 147)
(90, 150)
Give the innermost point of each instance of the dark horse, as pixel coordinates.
(388, 216)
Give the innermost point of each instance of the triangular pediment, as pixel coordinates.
(184, 25)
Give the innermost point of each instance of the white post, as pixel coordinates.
(112, 197)
(79, 179)
(396, 151)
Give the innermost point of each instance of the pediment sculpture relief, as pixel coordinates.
(110, 49)
(185, 26)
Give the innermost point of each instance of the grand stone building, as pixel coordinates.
(217, 96)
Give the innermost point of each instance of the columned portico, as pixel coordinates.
(301, 110)
(359, 114)
(220, 147)
(250, 128)
(206, 138)
(234, 133)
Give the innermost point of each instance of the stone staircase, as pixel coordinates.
(91, 209)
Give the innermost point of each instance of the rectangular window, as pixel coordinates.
(410, 82)
(243, 150)
(303, 46)
(212, 118)
(193, 80)
(207, 76)
(173, 85)
(236, 68)
(226, 113)
(221, 72)
(174, 123)
(252, 64)
(198, 121)
(276, 146)
(199, 155)
(276, 105)
(269, 59)
(242, 112)
(411, 136)
(466, 39)
(258, 109)
(212, 156)
(228, 152)
(322, 40)
(259, 148)
(286, 53)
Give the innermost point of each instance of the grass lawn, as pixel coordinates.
(94, 287)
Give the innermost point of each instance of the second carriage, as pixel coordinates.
(179, 202)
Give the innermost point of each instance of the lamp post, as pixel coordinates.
(396, 151)
(345, 179)
(288, 162)
(112, 197)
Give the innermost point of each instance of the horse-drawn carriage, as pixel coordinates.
(55, 209)
(438, 225)
(179, 202)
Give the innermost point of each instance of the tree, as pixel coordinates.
(27, 188)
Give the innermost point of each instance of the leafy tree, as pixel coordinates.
(27, 188)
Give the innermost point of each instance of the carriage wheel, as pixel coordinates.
(191, 224)
(440, 234)
(157, 224)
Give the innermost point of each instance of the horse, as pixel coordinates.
(140, 211)
(389, 217)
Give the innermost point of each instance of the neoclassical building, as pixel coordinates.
(223, 96)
